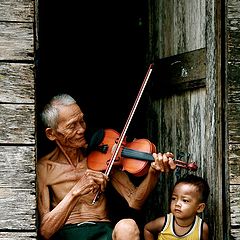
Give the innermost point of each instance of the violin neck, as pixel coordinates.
(131, 153)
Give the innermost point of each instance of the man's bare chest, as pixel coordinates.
(59, 173)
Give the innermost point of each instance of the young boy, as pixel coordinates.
(189, 198)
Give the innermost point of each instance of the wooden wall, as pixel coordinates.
(189, 119)
(17, 120)
(233, 113)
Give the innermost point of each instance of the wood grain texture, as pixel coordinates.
(17, 83)
(17, 124)
(235, 206)
(16, 41)
(179, 73)
(17, 167)
(234, 166)
(233, 87)
(17, 120)
(18, 209)
(233, 113)
(17, 188)
(177, 26)
(17, 10)
(18, 235)
(233, 122)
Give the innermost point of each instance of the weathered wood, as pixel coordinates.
(17, 124)
(234, 42)
(233, 82)
(19, 11)
(234, 166)
(18, 209)
(233, 9)
(233, 122)
(17, 167)
(192, 120)
(18, 235)
(17, 120)
(17, 188)
(235, 205)
(177, 27)
(214, 121)
(16, 83)
(181, 130)
(180, 72)
(233, 113)
(235, 233)
(16, 41)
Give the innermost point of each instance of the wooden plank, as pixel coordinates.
(233, 122)
(17, 124)
(17, 167)
(235, 233)
(233, 161)
(235, 205)
(197, 129)
(179, 73)
(233, 110)
(18, 235)
(16, 83)
(17, 188)
(18, 11)
(233, 9)
(214, 122)
(16, 41)
(176, 27)
(233, 82)
(181, 130)
(18, 209)
(233, 45)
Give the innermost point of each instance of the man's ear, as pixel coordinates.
(50, 134)
(201, 207)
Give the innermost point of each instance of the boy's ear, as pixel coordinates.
(201, 207)
(50, 134)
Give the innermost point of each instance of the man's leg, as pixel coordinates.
(126, 229)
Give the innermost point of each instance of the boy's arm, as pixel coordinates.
(205, 234)
(153, 228)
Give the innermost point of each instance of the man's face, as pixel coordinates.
(71, 127)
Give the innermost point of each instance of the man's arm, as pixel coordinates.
(136, 196)
(52, 220)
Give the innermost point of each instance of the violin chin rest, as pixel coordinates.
(95, 140)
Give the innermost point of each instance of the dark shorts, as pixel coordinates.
(86, 231)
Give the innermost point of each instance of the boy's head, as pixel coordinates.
(201, 185)
(189, 196)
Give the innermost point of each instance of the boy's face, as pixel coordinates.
(185, 201)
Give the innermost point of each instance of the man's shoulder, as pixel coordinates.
(47, 158)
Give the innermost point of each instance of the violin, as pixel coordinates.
(119, 144)
(134, 157)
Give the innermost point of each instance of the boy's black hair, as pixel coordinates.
(199, 182)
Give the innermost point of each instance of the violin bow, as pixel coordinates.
(123, 133)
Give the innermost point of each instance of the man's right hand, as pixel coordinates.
(91, 181)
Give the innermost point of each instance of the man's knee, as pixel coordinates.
(126, 229)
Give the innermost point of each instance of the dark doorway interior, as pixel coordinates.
(95, 51)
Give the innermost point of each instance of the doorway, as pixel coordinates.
(95, 51)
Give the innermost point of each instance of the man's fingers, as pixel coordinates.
(172, 164)
(163, 162)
